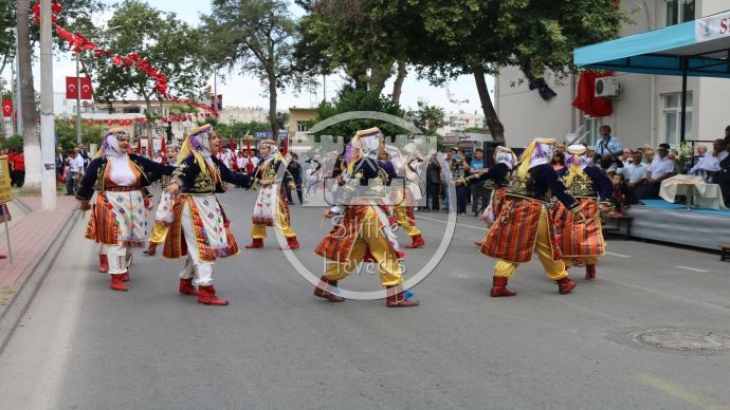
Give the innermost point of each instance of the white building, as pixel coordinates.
(647, 109)
(459, 121)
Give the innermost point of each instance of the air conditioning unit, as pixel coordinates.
(607, 87)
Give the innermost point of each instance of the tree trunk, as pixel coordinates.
(378, 77)
(398, 85)
(272, 106)
(495, 126)
(31, 134)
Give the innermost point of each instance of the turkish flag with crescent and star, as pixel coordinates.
(7, 108)
(72, 85)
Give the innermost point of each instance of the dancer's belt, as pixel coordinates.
(122, 188)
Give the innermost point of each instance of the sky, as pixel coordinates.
(245, 91)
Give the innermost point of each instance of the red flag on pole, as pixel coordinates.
(7, 108)
(163, 149)
(72, 85)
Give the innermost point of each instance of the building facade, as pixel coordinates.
(647, 109)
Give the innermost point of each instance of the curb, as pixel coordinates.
(10, 317)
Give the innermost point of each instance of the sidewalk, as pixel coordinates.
(35, 239)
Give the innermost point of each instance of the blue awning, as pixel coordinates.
(699, 48)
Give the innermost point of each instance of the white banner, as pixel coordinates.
(712, 27)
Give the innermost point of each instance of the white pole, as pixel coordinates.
(48, 169)
(78, 101)
(19, 92)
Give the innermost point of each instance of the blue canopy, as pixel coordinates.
(699, 48)
(696, 48)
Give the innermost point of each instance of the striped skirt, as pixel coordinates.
(579, 239)
(118, 217)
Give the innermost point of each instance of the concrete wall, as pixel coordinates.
(638, 112)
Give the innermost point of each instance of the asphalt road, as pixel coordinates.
(82, 346)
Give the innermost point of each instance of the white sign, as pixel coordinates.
(712, 27)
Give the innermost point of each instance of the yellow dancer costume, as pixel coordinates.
(361, 231)
(523, 224)
(584, 183)
(164, 215)
(408, 198)
(272, 206)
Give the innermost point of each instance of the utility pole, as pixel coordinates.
(78, 100)
(48, 162)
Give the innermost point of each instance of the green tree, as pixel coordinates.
(168, 44)
(358, 100)
(351, 35)
(428, 117)
(477, 37)
(66, 133)
(259, 38)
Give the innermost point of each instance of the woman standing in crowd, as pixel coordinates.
(163, 216)
(118, 217)
(200, 227)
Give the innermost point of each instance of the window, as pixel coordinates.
(592, 126)
(301, 126)
(680, 11)
(673, 119)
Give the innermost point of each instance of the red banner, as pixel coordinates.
(72, 85)
(7, 108)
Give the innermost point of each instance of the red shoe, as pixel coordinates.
(478, 243)
(125, 276)
(103, 264)
(499, 288)
(322, 292)
(590, 272)
(565, 285)
(151, 250)
(117, 283)
(400, 255)
(256, 243)
(392, 221)
(206, 296)
(417, 242)
(3, 256)
(292, 243)
(187, 288)
(395, 298)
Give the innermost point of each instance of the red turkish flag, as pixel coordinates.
(7, 108)
(72, 85)
(585, 99)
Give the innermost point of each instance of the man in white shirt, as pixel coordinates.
(709, 164)
(660, 169)
(634, 172)
(76, 168)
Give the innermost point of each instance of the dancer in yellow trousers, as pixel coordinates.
(164, 215)
(585, 183)
(361, 230)
(272, 207)
(523, 224)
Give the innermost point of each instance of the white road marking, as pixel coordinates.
(692, 269)
(619, 255)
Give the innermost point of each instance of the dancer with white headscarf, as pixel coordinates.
(200, 228)
(118, 218)
(523, 224)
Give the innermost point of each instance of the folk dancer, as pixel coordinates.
(495, 178)
(585, 183)
(361, 230)
(163, 216)
(272, 207)
(523, 224)
(200, 228)
(408, 197)
(119, 214)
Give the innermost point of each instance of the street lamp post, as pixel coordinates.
(48, 162)
(215, 82)
(78, 100)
